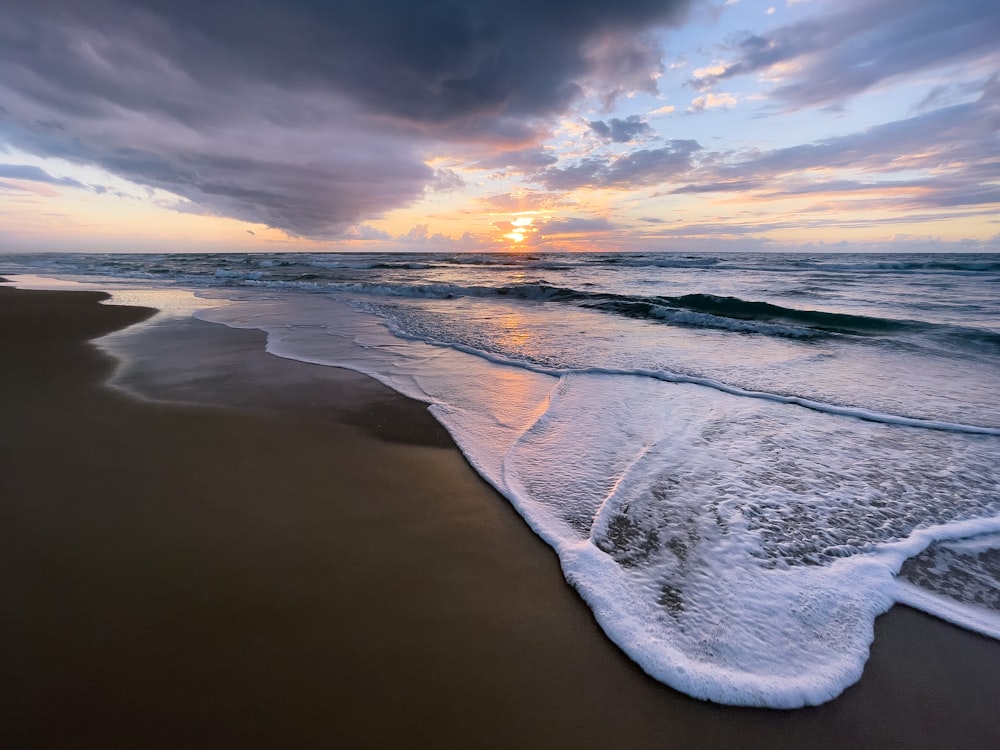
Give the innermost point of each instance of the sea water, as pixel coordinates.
(741, 460)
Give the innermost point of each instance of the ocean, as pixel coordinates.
(740, 459)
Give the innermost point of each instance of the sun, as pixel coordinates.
(520, 228)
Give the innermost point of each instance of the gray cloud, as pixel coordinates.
(305, 115)
(577, 225)
(522, 160)
(645, 167)
(621, 130)
(446, 180)
(953, 147)
(864, 43)
(624, 62)
(36, 174)
(527, 201)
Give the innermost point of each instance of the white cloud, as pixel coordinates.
(711, 70)
(712, 101)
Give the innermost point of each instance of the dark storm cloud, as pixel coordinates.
(428, 61)
(955, 149)
(306, 115)
(864, 43)
(621, 130)
(645, 167)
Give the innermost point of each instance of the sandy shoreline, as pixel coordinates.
(311, 563)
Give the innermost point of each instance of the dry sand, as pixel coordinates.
(309, 562)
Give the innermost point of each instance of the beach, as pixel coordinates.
(296, 556)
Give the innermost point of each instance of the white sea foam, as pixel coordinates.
(732, 553)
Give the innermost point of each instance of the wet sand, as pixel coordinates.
(305, 560)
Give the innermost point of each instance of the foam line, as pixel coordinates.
(669, 377)
(966, 616)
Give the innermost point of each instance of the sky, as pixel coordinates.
(479, 125)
